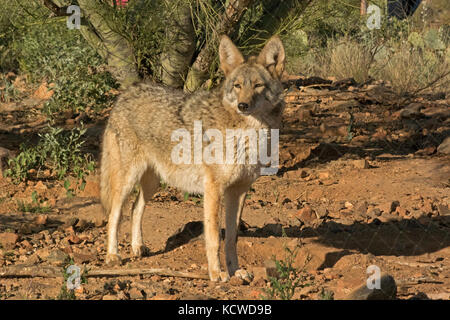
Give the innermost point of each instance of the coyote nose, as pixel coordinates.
(243, 106)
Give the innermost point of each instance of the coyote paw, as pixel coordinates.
(219, 276)
(113, 259)
(141, 251)
(244, 275)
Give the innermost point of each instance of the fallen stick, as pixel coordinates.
(53, 272)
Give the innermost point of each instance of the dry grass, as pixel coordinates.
(347, 58)
(413, 70)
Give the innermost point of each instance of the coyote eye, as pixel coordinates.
(259, 85)
(237, 85)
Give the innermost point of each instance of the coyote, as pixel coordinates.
(137, 147)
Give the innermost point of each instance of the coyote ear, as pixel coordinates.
(272, 57)
(229, 54)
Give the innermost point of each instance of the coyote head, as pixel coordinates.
(252, 86)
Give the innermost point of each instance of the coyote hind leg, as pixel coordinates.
(149, 185)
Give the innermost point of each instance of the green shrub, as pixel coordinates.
(62, 57)
(58, 151)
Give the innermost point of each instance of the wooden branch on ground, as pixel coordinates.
(54, 272)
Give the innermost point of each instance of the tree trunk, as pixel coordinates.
(180, 44)
(200, 68)
(112, 46)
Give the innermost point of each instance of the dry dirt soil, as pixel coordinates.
(361, 183)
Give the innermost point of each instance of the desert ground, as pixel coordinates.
(362, 182)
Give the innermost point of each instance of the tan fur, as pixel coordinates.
(137, 146)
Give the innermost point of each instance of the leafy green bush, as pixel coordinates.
(58, 151)
(62, 57)
(288, 277)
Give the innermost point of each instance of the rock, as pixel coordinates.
(402, 212)
(387, 290)
(74, 239)
(4, 153)
(324, 175)
(348, 205)
(163, 297)
(361, 164)
(41, 219)
(81, 225)
(81, 258)
(361, 208)
(92, 187)
(236, 281)
(8, 240)
(57, 257)
(43, 253)
(260, 282)
(374, 212)
(26, 244)
(259, 273)
(25, 228)
(427, 206)
(443, 210)
(439, 296)
(70, 222)
(411, 111)
(389, 206)
(110, 297)
(444, 147)
(256, 294)
(100, 222)
(306, 215)
(321, 212)
(271, 269)
(136, 294)
(33, 259)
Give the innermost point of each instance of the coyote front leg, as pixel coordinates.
(211, 227)
(234, 199)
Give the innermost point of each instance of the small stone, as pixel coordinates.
(57, 257)
(361, 208)
(389, 207)
(374, 212)
(110, 297)
(70, 222)
(260, 282)
(236, 281)
(361, 164)
(33, 259)
(81, 258)
(100, 222)
(443, 210)
(26, 244)
(8, 240)
(136, 294)
(81, 225)
(74, 239)
(259, 273)
(402, 212)
(321, 212)
(324, 175)
(306, 215)
(411, 111)
(25, 228)
(41, 219)
(439, 296)
(387, 290)
(444, 147)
